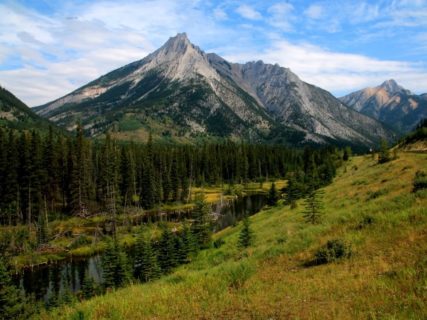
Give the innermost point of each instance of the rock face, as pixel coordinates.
(185, 92)
(391, 104)
(17, 115)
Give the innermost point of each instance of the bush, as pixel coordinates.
(333, 250)
(376, 194)
(420, 181)
(80, 241)
(366, 221)
(238, 274)
(218, 243)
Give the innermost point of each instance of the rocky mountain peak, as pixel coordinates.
(177, 44)
(392, 87)
(204, 93)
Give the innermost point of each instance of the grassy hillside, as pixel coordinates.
(370, 207)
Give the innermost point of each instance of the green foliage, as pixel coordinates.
(201, 226)
(313, 206)
(80, 241)
(237, 274)
(294, 191)
(384, 154)
(88, 286)
(167, 255)
(375, 194)
(420, 181)
(333, 250)
(114, 264)
(347, 153)
(42, 230)
(273, 195)
(146, 267)
(246, 234)
(218, 243)
(13, 303)
(46, 174)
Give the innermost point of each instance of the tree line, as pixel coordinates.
(53, 174)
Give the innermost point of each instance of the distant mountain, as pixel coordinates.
(391, 104)
(17, 115)
(179, 91)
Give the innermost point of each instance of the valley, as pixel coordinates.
(275, 168)
(383, 278)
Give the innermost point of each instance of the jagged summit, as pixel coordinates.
(391, 86)
(198, 93)
(389, 103)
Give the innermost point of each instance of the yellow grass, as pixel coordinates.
(385, 278)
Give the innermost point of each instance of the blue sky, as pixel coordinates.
(49, 48)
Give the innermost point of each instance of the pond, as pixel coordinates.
(53, 279)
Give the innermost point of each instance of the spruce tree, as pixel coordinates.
(246, 234)
(201, 226)
(384, 154)
(293, 192)
(167, 253)
(146, 267)
(114, 263)
(88, 286)
(190, 246)
(313, 206)
(273, 195)
(13, 303)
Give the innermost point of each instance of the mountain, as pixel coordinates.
(179, 91)
(391, 104)
(17, 115)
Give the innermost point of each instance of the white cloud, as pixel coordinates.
(281, 16)
(338, 72)
(248, 12)
(314, 11)
(61, 53)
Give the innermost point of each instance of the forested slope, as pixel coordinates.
(365, 258)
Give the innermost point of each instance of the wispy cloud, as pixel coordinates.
(314, 11)
(336, 71)
(281, 16)
(46, 54)
(248, 12)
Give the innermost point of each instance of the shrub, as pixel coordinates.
(420, 181)
(376, 194)
(238, 274)
(218, 243)
(333, 250)
(80, 241)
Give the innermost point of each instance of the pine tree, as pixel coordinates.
(189, 242)
(167, 254)
(114, 263)
(384, 154)
(146, 267)
(13, 304)
(293, 192)
(174, 178)
(246, 234)
(201, 226)
(42, 230)
(273, 195)
(313, 206)
(347, 154)
(88, 286)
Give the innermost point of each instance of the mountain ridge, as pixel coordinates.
(390, 103)
(15, 114)
(202, 93)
